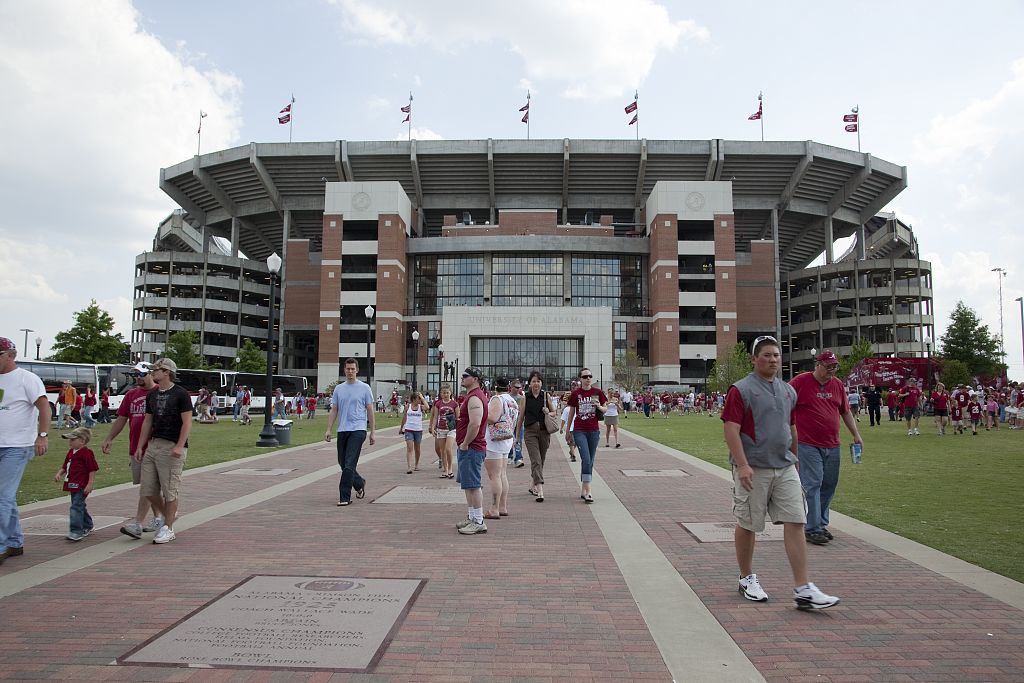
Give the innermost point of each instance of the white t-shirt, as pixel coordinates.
(565, 416)
(19, 417)
(627, 397)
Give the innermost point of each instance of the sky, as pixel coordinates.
(99, 95)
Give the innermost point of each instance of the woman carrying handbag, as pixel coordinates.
(536, 423)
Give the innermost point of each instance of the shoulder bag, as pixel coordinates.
(550, 421)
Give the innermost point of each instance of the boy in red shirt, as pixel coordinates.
(78, 474)
(311, 407)
(957, 414)
(975, 410)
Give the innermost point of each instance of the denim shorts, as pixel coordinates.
(413, 436)
(470, 463)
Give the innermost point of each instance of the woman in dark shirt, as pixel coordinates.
(535, 434)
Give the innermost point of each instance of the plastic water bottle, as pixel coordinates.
(855, 451)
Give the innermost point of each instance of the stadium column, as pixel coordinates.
(330, 301)
(283, 282)
(392, 299)
(829, 240)
(726, 302)
(664, 298)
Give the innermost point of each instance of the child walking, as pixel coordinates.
(78, 474)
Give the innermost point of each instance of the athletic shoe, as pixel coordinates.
(520, 463)
(75, 536)
(809, 597)
(473, 528)
(917, 432)
(165, 535)
(86, 532)
(750, 588)
(815, 537)
(572, 458)
(910, 432)
(464, 523)
(827, 533)
(153, 524)
(133, 529)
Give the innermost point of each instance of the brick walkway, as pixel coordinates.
(538, 598)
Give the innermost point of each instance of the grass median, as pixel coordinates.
(208, 444)
(956, 493)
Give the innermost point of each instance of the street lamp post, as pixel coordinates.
(39, 342)
(415, 355)
(1020, 300)
(268, 437)
(26, 331)
(701, 357)
(928, 356)
(440, 356)
(159, 352)
(369, 322)
(1002, 274)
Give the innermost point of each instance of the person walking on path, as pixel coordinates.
(24, 427)
(584, 404)
(627, 403)
(502, 424)
(853, 398)
(516, 454)
(873, 397)
(469, 435)
(163, 445)
(88, 406)
(566, 427)
(132, 412)
(352, 407)
(246, 400)
(78, 474)
(442, 425)
(611, 419)
(940, 403)
(762, 441)
(66, 404)
(536, 407)
(104, 417)
(892, 401)
(236, 409)
(821, 400)
(412, 428)
(910, 398)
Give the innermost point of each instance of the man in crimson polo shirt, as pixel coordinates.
(821, 400)
(910, 396)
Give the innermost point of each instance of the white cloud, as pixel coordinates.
(26, 273)
(378, 103)
(591, 49)
(419, 134)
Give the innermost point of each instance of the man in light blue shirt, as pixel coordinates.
(352, 406)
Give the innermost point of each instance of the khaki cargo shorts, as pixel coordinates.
(776, 493)
(161, 471)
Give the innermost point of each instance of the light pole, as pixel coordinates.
(1002, 274)
(928, 356)
(415, 355)
(369, 322)
(268, 437)
(701, 357)
(39, 342)
(440, 357)
(159, 352)
(1020, 300)
(26, 331)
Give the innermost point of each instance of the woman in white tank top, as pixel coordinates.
(412, 427)
(501, 409)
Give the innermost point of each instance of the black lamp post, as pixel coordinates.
(701, 357)
(440, 359)
(39, 342)
(928, 356)
(369, 322)
(415, 354)
(268, 437)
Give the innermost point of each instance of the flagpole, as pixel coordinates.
(856, 109)
(527, 118)
(291, 119)
(760, 106)
(199, 133)
(410, 116)
(636, 98)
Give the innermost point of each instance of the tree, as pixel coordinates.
(181, 348)
(970, 342)
(955, 372)
(729, 370)
(860, 350)
(251, 358)
(626, 371)
(90, 339)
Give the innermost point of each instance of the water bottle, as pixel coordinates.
(855, 451)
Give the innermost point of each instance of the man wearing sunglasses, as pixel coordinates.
(762, 441)
(821, 400)
(470, 437)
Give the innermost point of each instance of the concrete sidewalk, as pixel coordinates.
(560, 590)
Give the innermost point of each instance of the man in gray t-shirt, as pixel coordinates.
(352, 406)
(762, 441)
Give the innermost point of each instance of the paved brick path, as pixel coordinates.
(538, 598)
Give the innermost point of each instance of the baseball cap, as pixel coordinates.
(473, 371)
(7, 345)
(165, 364)
(827, 357)
(78, 433)
(140, 369)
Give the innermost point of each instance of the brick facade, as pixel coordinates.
(329, 315)
(755, 285)
(392, 289)
(664, 291)
(725, 284)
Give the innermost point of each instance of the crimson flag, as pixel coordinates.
(287, 109)
(407, 109)
(407, 118)
(850, 118)
(634, 119)
(631, 107)
(757, 114)
(526, 116)
(525, 107)
(284, 119)
(852, 128)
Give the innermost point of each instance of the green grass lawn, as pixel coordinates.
(958, 494)
(208, 444)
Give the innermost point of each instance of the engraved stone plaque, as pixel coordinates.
(654, 473)
(613, 451)
(287, 622)
(722, 532)
(424, 494)
(57, 525)
(253, 472)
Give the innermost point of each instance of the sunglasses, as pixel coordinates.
(586, 377)
(465, 375)
(764, 338)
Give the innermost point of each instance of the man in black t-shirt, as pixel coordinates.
(165, 430)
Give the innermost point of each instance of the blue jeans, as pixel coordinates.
(87, 416)
(62, 414)
(350, 444)
(80, 519)
(12, 465)
(516, 454)
(235, 408)
(279, 412)
(819, 477)
(586, 444)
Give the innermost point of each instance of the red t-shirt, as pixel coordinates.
(911, 397)
(956, 412)
(975, 410)
(817, 410)
(583, 401)
(962, 398)
(445, 413)
(479, 442)
(77, 467)
(90, 398)
(134, 408)
(940, 399)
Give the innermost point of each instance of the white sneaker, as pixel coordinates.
(750, 588)
(917, 432)
(165, 535)
(153, 524)
(910, 432)
(473, 528)
(811, 598)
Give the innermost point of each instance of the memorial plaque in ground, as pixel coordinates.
(57, 525)
(266, 472)
(654, 473)
(447, 495)
(722, 532)
(287, 622)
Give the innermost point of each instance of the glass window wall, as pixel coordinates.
(526, 280)
(615, 281)
(558, 359)
(440, 281)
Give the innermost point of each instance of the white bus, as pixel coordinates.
(115, 377)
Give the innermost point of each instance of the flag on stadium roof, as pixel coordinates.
(852, 128)
(634, 119)
(760, 109)
(287, 118)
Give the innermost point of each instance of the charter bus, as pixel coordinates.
(111, 376)
(226, 383)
